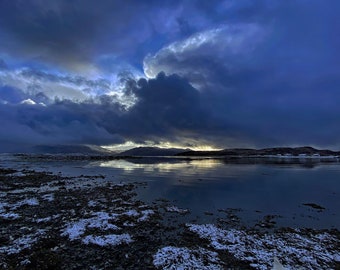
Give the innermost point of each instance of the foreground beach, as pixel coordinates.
(49, 221)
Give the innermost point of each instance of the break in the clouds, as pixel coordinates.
(227, 74)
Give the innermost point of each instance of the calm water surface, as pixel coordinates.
(210, 185)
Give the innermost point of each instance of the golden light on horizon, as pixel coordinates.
(130, 144)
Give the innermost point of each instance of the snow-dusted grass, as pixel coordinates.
(6, 208)
(21, 243)
(10, 216)
(173, 258)
(108, 240)
(293, 249)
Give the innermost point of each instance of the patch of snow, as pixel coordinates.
(75, 230)
(143, 215)
(175, 209)
(30, 202)
(107, 240)
(173, 258)
(293, 249)
(102, 225)
(146, 215)
(131, 213)
(101, 220)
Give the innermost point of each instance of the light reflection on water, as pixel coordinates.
(161, 167)
(176, 172)
(258, 189)
(184, 167)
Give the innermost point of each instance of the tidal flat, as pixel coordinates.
(52, 220)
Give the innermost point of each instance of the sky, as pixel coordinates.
(199, 74)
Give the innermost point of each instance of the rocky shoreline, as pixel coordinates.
(49, 221)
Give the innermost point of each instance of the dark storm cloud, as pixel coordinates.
(60, 123)
(168, 107)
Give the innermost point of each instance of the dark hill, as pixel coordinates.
(294, 151)
(152, 151)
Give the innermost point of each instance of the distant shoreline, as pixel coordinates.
(231, 159)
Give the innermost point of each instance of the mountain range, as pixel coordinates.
(181, 152)
(288, 151)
